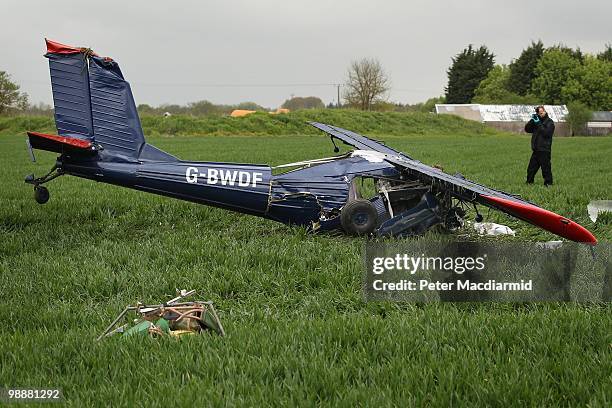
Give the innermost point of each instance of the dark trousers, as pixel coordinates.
(540, 159)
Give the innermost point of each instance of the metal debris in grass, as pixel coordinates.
(174, 318)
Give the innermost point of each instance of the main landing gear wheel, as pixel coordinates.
(358, 217)
(41, 194)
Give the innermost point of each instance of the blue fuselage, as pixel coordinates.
(301, 196)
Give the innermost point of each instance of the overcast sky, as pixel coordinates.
(229, 51)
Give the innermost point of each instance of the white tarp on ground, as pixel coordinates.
(491, 228)
(598, 206)
(501, 113)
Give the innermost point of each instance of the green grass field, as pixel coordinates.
(298, 330)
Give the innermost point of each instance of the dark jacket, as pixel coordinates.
(541, 134)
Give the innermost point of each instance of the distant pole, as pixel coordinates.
(338, 88)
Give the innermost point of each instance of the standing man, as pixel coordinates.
(541, 128)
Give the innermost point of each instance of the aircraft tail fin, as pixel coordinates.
(93, 102)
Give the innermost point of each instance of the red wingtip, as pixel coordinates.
(548, 220)
(58, 48)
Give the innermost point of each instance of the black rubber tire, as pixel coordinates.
(358, 217)
(41, 194)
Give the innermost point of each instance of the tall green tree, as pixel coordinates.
(606, 55)
(494, 89)
(574, 53)
(522, 69)
(554, 69)
(591, 84)
(10, 96)
(469, 67)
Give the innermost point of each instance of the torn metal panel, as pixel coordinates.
(315, 195)
(329, 182)
(414, 221)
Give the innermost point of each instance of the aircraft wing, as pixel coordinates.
(426, 174)
(356, 140)
(466, 190)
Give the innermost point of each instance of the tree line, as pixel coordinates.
(540, 75)
(553, 75)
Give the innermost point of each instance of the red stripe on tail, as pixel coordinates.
(66, 140)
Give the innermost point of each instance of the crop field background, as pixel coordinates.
(298, 329)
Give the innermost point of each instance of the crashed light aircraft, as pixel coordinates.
(100, 138)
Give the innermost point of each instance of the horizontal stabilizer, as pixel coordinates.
(59, 144)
